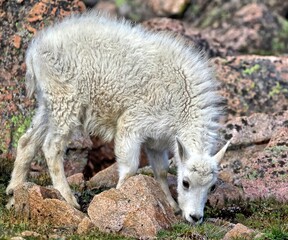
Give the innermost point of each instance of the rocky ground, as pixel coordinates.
(247, 42)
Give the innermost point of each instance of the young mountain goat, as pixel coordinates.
(111, 79)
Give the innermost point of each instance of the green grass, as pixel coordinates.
(266, 216)
(269, 217)
(186, 231)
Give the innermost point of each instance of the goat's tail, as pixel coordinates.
(30, 75)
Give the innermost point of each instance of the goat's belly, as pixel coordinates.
(101, 123)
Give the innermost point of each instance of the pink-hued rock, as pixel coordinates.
(106, 178)
(239, 231)
(106, 7)
(279, 137)
(164, 24)
(193, 36)
(45, 205)
(85, 226)
(253, 84)
(32, 234)
(243, 27)
(138, 209)
(76, 179)
(29, 16)
(168, 7)
(257, 128)
(224, 193)
(260, 170)
(267, 175)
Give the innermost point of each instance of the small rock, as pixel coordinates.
(164, 24)
(54, 236)
(106, 178)
(226, 176)
(168, 7)
(85, 226)
(16, 41)
(138, 209)
(37, 12)
(76, 179)
(239, 231)
(221, 222)
(257, 128)
(30, 234)
(224, 193)
(45, 205)
(172, 183)
(279, 137)
(75, 161)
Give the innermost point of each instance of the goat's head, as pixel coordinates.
(196, 176)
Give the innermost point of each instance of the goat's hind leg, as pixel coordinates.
(159, 163)
(53, 149)
(28, 146)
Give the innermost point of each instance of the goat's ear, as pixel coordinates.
(219, 156)
(182, 151)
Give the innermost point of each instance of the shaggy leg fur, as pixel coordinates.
(159, 163)
(28, 145)
(127, 150)
(53, 149)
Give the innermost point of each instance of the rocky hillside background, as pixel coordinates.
(247, 42)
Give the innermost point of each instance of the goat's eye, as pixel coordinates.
(185, 184)
(212, 189)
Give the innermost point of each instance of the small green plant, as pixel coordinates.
(251, 70)
(277, 89)
(20, 124)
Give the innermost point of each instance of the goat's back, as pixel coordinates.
(110, 66)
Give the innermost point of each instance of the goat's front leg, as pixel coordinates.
(53, 149)
(159, 163)
(127, 150)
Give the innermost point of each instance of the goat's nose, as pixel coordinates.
(196, 218)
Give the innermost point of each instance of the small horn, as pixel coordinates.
(218, 156)
(182, 151)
